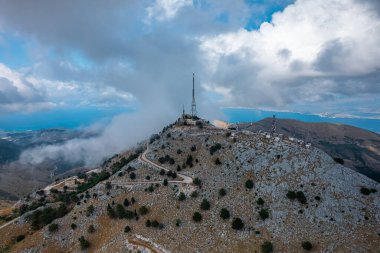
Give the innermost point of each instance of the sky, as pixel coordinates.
(316, 57)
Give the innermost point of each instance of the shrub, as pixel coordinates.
(165, 182)
(228, 134)
(91, 229)
(307, 245)
(193, 148)
(197, 181)
(181, 196)
(197, 217)
(19, 238)
(260, 201)
(189, 160)
(90, 210)
(367, 191)
(155, 224)
(120, 211)
(217, 161)
(179, 151)
(178, 222)
(205, 205)
(267, 247)
(53, 227)
(129, 215)
(73, 226)
(84, 244)
(162, 172)
(222, 192)
(194, 194)
(111, 213)
(132, 176)
(108, 185)
(339, 160)
(237, 224)
(215, 148)
(143, 210)
(291, 195)
(301, 197)
(224, 214)
(264, 214)
(249, 184)
(127, 229)
(126, 202)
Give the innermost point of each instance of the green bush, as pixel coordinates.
(127, 229)
(224, 214)
(84, 244)
(90, 210)
(301, 197)
(194, 194)
(307, 245)
(367, 191)
(237, 224)
(165, 182)
(181, 196)
(267, 247)
(205, 205)
(143, 210)
(249, 184)
(197, 181)
(126, 202)
(264, 214)
(215, 148)
(132, 175)
(260, 201)
(111, 213)
(91, 229)
(222, 192)
(19, 238)
(291, 195)
(73, 226)
(197, 217)
(53, 227)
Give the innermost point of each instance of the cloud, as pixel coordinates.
(313, 51)
(166, 9)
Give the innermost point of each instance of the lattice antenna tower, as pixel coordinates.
(273, 130)
(193, 104)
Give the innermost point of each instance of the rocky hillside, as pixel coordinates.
(359, 148)
(203, 189)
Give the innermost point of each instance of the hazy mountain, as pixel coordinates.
(359, 148)
(226, 192)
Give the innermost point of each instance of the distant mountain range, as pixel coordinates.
(359, 148)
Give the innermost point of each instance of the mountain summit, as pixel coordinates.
(203, 189)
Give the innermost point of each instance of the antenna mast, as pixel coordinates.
(193, 105)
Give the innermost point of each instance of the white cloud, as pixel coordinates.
(163, 10)
(319, 38)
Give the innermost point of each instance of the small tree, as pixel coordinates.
(91, 229)
(194, 194)
(132, 175)
(19, 238)
(291, 195)
(197, 217)
(165, 182)
(260, 201)
(249, 184)
(197, 181)
(181, 196)
(108, 185)
(267, 247)
(111, 213)
(264, 214)
(222, 192)
(73, 226)
(127, 229)
(90, 210)
(237, 224)
(224, 214)
(307, 245)
(205, 205)
(84, 244)
(148, 223)
(143, 210)
(217, 161)
(126, 202)
(162, 172)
